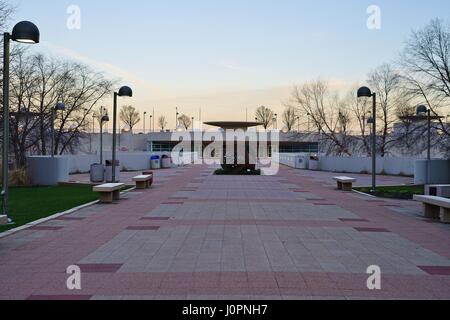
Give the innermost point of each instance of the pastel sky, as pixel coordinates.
(230, 55)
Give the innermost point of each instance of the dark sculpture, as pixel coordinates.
(232, 166)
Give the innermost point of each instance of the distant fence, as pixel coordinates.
(391, 166)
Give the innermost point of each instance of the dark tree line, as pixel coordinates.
(38, 83)
(420, 77)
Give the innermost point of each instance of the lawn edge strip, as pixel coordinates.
(52, 217)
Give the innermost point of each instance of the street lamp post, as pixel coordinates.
(59, 107)
(421, 111)
(298, 124)
(367, 93)
(24, 32)
(370, 123)
(145, 114)
(153, 120)
(93, 132)
(152, 127)
(123, 92)
(193, 124)
(104, 119)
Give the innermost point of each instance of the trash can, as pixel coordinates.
(155, 162)
(108, 171)
(313, 163)
(166, 162)
(97, 173)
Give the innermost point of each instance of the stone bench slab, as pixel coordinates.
(109, 187)
(142, 178)
(143, 181)
(435, 207)
(344, 179)
(109, 191)
(344, 183)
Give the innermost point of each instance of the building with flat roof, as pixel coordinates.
(288, 142)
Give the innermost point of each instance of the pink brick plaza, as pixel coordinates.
(199, 236)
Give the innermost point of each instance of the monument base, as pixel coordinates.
(238, 172)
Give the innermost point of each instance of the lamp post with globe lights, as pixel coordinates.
(365, 92)
(23, 32)
(59, 107)
(123, 92)
(104, 119)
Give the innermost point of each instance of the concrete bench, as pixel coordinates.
(109, 191)
(344, 183)
(143, 181)
(438, 190)
(435, 207)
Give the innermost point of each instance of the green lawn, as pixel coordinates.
(28, 204)
(396, 192)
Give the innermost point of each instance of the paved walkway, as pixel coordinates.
(199, 236)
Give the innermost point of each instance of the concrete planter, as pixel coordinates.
(432, 172)
(47, 171)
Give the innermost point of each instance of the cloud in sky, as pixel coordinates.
(231, 65)
(216, 104)
(110, 69)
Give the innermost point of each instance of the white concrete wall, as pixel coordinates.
(391, 166)
(125, 141)
(130, 161)
(293, 160)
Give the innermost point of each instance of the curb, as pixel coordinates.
(52, 217)
(363, 194)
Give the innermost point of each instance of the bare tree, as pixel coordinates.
(289, 117)
(129, 116)
(81, 89)
(47, 80)
(361, 110)
(162, 122)
(426, 63)
(24, 126)
(265, 116)
(6, 11)
(185, 121)
(37, 83)
(327, 112)
(99, 114)
(385, 81)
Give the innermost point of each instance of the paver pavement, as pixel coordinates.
(199, 236)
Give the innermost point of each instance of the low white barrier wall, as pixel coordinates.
(293, 160)
(392, 166)
(129, 161)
